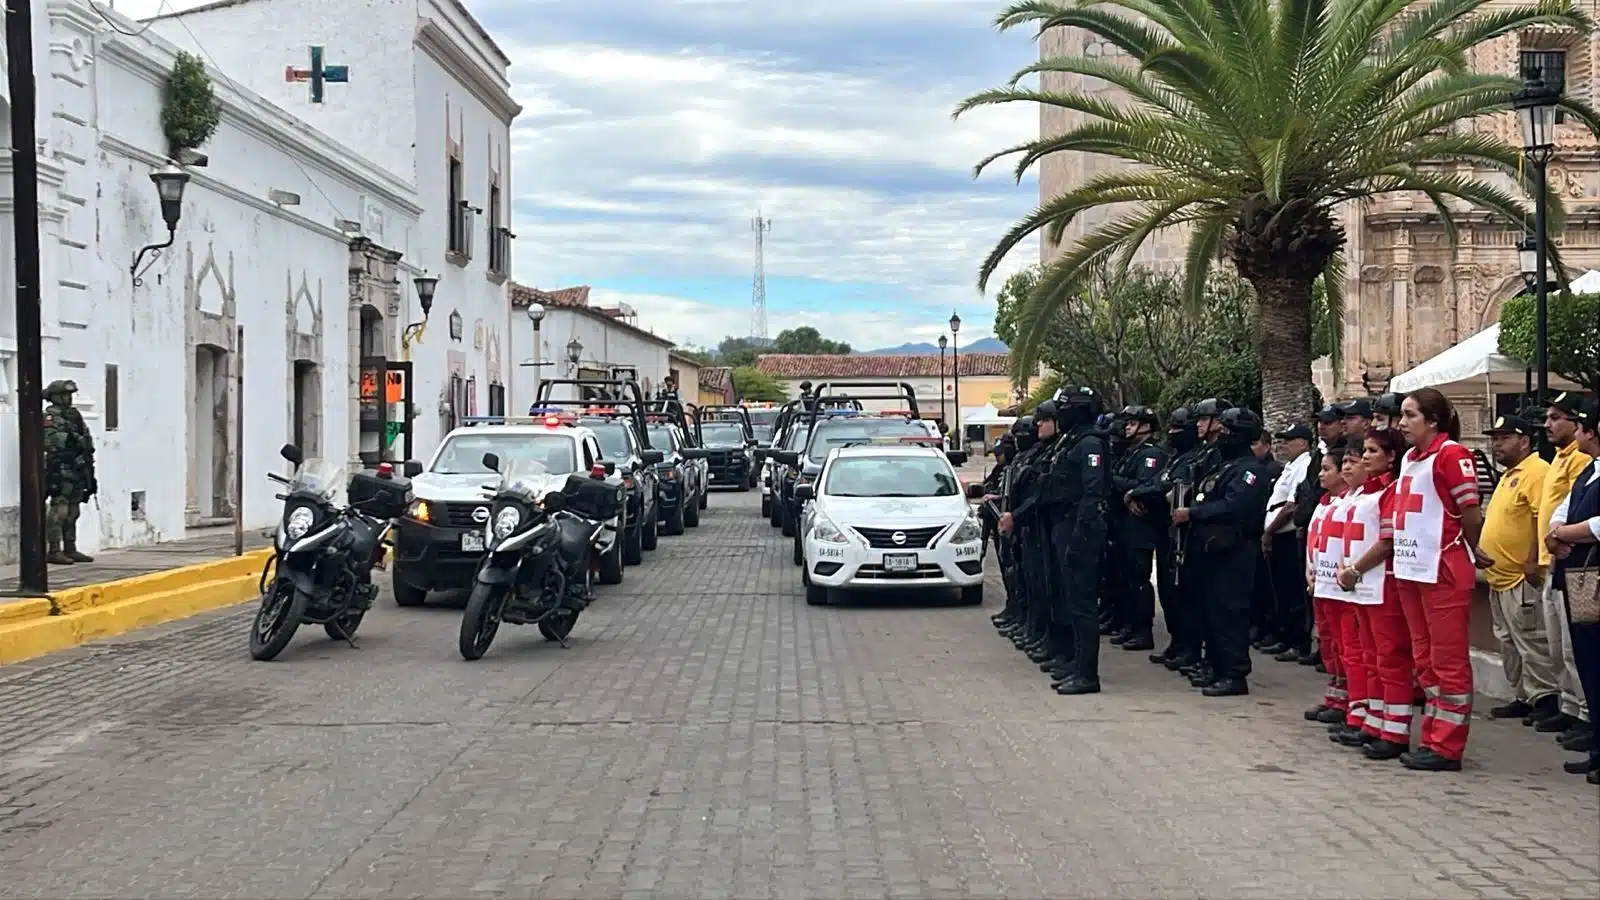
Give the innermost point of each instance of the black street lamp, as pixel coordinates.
(170, 182)
(955, 365)
(574, 354)
(943, 343)
(426, 285)
(1536, 114)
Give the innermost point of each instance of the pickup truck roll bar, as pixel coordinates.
(625, 397)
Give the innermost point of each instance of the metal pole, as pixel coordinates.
(955, 366)
(1541, 288)
(536, 342)
(238, 444)
(35, 575)
(941, 385)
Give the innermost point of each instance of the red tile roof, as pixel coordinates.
(716, 379)
(786, 365)
(577, 299)
(567, 298)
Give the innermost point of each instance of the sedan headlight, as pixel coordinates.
(506, 521)
(300, 520)
(824, 530)
(969, 531)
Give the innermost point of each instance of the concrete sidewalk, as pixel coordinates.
(204, 545)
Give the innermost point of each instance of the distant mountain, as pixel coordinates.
(987, 345)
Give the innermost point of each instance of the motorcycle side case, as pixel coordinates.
(592, 498)
(393, 494)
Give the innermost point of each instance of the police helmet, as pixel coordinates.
(60, 386)
(1105, 420)
(1047, 411)
(1143, 414)
(1241, 422)
(1081, 396)
(1023, 425)
(1212, 407)
(1387, 404)
(1179, 419)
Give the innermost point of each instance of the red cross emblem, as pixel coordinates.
(1332, 530)
(1407, 502)
(1351, 530)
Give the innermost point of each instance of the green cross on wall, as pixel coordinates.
(318, 74)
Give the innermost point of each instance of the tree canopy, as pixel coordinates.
(1245, 125)
(751, 383)
(808, 341)
(1574, 330)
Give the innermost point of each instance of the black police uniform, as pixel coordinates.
(1136, 539)
(1027, 527)
(1113, 599)
(1075, 491)
(1183, 445)
(1226, 522)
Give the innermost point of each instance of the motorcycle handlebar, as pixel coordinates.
(278, 478)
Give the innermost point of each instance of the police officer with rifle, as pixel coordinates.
(1152, 504)
(1073, 491)
(1019, 526)
(1226, 520)
(1135, 538)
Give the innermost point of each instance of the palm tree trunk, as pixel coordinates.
(1283, 343)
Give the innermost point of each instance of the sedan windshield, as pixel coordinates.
(843, 433)
(463, 453)
(722, 434)
(891, 476)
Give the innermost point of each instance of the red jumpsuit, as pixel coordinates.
(1321, 550)
(1434, 579)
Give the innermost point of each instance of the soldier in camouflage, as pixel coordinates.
(68, 472)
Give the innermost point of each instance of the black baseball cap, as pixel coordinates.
(1299, 431)
(1512, 425)
(1588, 414)
(1329, 414)
(1569, 403)
(1358, 407)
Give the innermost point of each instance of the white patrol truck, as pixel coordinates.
(887, 516)
(440, 540)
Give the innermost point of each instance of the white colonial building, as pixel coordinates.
(579, 341)
(280, 308)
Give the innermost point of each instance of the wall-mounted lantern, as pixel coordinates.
(170, 182)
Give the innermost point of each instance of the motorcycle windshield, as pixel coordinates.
(529, 478)
(323, 478)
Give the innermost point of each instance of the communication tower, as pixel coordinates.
(758, 287)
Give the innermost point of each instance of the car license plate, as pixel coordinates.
(472, 542)
(899, 562)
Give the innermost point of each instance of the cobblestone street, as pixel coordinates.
(709, 735)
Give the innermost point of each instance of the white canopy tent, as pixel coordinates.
(1477, 363)
(985, 415)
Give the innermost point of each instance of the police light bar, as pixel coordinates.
(841, 412)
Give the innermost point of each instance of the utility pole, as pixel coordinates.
(35, 574)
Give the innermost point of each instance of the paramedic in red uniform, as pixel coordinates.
(1437, 521)
(1322, 558)
(1369, 570)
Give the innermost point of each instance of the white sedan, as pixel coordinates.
(889, 517)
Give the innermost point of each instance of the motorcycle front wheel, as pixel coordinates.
(279, 615)
(481, 619)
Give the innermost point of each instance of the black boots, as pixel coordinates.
(73, 554)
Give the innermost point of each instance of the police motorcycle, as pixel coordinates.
(324, 552)
(542, 545)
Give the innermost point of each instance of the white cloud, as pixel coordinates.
(653, 130)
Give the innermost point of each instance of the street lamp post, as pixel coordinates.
(943, 343)
(1536, 114)
(426, 285)
(574, 355)
(955, 365)
(536, 315)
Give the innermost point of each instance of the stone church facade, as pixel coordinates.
(1409, 295)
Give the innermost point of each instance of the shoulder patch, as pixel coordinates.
(49, 420)
(1094, 459)
(1467, 469)
(1149, 462)
(1249, 478)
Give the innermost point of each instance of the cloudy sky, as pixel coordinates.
(653, 130)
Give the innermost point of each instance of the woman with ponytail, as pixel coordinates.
(1437, 521)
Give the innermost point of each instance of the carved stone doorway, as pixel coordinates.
(210, 456)
(307, 404)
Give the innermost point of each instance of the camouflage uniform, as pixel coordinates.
(68, 471)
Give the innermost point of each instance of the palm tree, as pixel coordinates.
(1249, 123)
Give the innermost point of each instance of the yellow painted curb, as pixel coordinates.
(14, 611)
(98, 611)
